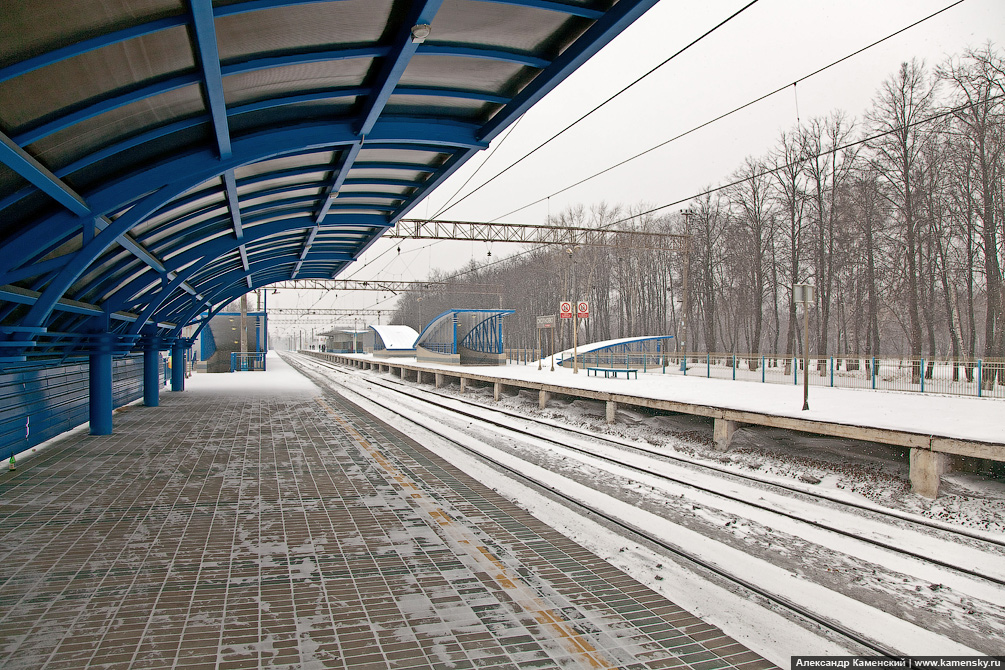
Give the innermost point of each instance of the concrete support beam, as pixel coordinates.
(496, 391)
(722, 433)
(612, 411)
(438, 379)
(151, 375)
(100, 393)
(542, 399)
(464, 384)
(926, 468)
(178, 367)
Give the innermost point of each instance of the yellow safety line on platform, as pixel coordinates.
(515, 587)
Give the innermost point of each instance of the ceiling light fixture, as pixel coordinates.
(420, 32)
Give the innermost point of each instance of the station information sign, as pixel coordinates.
(546, 321)
(565, 309)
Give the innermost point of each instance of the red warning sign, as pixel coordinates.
(565, 309)
(582, 309)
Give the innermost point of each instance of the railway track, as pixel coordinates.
(507, 422)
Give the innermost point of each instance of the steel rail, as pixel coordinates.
(782, 601)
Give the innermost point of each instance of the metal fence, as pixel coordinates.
(247, 361)
(966, 377)
(980, 378)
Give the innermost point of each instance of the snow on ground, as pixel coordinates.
(958, 614)
(279, 376)
(980, 419)
(918, 613)
(862, 469)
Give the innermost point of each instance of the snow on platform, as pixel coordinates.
(972, 419)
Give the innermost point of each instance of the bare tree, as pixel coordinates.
(751, 203)
(902, 102)
(787, 161)
(978, 79)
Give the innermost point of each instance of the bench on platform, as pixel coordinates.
(613, 371)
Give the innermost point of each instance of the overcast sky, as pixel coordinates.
(770, 45)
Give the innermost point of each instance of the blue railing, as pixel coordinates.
(252, 361)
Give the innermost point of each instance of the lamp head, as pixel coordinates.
(420, 32)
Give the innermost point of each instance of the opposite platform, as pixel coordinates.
(256, 521)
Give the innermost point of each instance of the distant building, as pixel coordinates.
(222, 337)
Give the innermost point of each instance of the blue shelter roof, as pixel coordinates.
(159, 159)
(611, 345)
(471, 328)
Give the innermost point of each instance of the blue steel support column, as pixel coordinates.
(151, 373)
(100, 387)
(178, 365)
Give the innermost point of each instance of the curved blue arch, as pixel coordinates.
(200, 166)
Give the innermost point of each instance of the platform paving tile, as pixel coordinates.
(247, 528)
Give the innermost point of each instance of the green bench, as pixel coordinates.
(608, 372)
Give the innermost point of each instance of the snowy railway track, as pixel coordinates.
(953, 535)
(506, 422)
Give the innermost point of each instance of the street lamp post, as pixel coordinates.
(575, 318)
(687, 214)
(803, 293)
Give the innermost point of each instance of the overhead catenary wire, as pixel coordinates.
(666, 142)
(801, 159)
(735, 110)
(605, 102)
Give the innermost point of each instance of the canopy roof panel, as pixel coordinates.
(159, 158)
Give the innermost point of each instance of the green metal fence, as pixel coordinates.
(966, 377)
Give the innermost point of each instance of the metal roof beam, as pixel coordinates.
(394, 65)
(234, 205)
(209, 57)
(172, 178)
(177, 175)
(552, 6)
(18, 160)
(501, 55)
(168, 84)
(26, 296)
(346, 161)
(597, 36)
(132, 32)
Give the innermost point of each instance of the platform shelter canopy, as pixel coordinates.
(394, 338)
(464, 336)
(623, 352)
(159, 158)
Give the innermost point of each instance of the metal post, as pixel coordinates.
(244, 324)
(832, 372)
(151, 374)
(687, 263)
(178, 366)
(806, 356)
(552, 349)
(539, 348)
(100, 390)
(575, 340)
(922, 375)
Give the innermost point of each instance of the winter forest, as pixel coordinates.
(895, 216)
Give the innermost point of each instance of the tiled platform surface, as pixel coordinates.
(261, 524)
